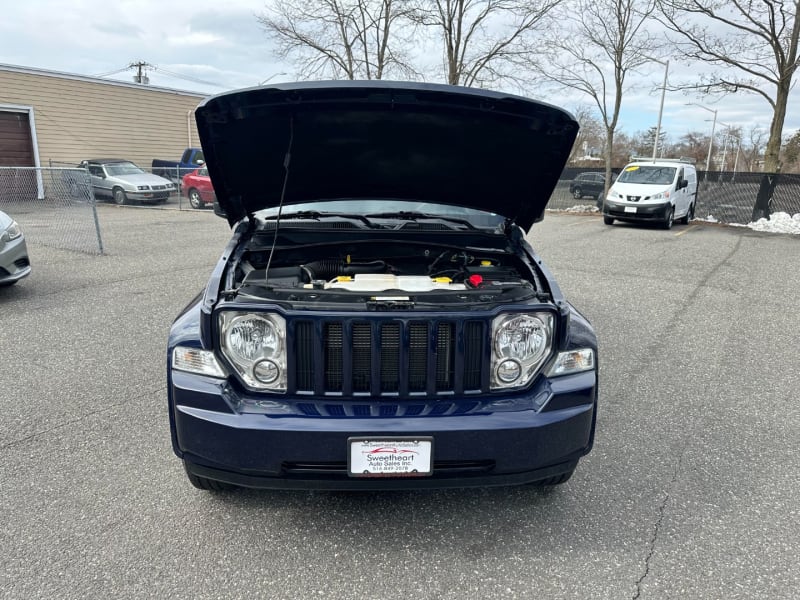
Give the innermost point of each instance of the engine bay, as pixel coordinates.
(364, 272)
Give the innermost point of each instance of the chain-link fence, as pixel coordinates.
(55, 207)
(728, 197)
(192, 189)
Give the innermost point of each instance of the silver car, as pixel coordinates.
(14, 262)
(124, 182)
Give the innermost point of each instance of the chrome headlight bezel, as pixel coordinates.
(521, 343)
(249, 341)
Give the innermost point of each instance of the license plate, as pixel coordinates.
(630, 209)
(390, 457)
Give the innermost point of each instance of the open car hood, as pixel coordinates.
(429, 143)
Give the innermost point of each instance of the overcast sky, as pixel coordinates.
(221, 43)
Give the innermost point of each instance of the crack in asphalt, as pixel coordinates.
(663, 506)
(654, 538)
(71, 422)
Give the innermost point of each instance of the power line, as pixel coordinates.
(112, 72)
(141, 68)
(186, 77)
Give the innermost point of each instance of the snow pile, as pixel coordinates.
(709, 219)
(583, 208)
(779, 222)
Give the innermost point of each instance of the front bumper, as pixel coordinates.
(14, 261)
(151, 196)
(301, 443)
(644, 212)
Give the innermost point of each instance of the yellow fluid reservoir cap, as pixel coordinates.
(344, 278)
(442, 280)
(486, 263)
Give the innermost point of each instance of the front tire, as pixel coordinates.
(667, 224)
(608, 220)
(120, 198)
(207, 485)
(195, 201)
(557, 479)
(577, 193)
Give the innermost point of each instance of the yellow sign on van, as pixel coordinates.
(633, 168)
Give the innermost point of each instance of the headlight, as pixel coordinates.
(660, 196)
(142, 187)
(255, 345)
(615, 194)
(521, 344)
(11, 233)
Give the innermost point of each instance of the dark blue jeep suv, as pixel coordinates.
(378, 320)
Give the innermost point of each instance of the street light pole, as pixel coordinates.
(710, 141)
(661, 106)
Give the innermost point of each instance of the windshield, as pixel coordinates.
(647, 174)
(476, 218)
(123, 169)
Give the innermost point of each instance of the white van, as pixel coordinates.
(660, 191)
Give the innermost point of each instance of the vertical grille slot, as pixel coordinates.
(362, 356)
(390, 357)
(333, 357)
(417, 357)
(473, 350)
(304, 355)
(445, 359)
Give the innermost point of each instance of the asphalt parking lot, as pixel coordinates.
(691, 491)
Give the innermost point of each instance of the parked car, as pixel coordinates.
(174, 170)
(123, 182)
(198, 189)
(14, 261)
(588, 184)
(391, 328)
(659, 191)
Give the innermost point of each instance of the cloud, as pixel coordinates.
(194, 38)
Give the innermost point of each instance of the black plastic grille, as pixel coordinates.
(386, 357)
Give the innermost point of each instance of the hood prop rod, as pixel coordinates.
(286, 161)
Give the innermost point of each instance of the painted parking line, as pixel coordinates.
(687, 230)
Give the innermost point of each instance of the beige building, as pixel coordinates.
(47, 117)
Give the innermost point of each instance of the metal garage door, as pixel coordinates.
(16, 150)
(16, 144)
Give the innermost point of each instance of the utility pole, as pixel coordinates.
(141, 75)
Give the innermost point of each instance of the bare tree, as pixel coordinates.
(350, 39)
(792, 149)
(694, 145)
(598, 43)
(485, 41)
(752, 44)
(590, 138)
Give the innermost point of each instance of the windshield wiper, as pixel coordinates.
(316, 216)
(416, 216)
